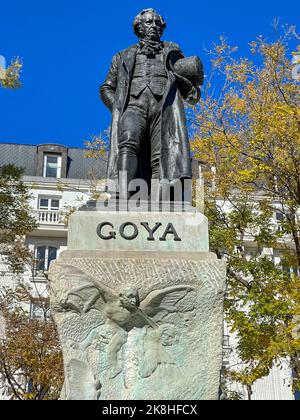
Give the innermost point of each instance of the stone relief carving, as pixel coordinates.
(80, 382)
(118, 337)
(93, 304)
(155, 354)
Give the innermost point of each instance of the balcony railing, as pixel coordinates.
(48, 217)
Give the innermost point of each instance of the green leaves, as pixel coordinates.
(30, 351)
(15, 213)
(10, 77)
(248, 138)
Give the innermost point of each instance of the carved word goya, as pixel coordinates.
(133, 233)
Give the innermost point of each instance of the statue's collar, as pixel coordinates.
(129, 55)
(150, 48)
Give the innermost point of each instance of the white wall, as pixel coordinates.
(276, 386)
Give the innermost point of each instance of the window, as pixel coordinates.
(279, 221)
(226, 349)
(52, 166)
(49, 203)
(284, 262)
(44, 256)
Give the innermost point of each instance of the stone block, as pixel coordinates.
(85, 227)
(139, 318)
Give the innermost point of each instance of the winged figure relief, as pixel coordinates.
(123, 310)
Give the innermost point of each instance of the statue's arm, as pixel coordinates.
(175, 55)
(108, 88)
(192, 96)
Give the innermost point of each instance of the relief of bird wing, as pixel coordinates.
(164, 300)
(88, 294)
(85, 298)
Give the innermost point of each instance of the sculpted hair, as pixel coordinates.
(138, 18)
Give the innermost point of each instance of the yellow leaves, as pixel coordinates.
(251, 133)
(239, 71)
(249, 139)
(97, 146)
(30, 351)
(246, 175)
(12, 74)
(236, 104)
(220, 52)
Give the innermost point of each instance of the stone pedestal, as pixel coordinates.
(138, 302)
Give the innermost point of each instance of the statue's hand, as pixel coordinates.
(193, 97)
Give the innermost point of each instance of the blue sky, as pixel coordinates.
(67, 46)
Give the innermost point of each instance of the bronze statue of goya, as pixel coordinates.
(145, 90)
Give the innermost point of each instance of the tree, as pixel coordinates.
(10, 77)
(98, 146)
(16, 218)
(248, 139)
(30, 355)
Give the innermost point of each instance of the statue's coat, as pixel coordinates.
(175, 160)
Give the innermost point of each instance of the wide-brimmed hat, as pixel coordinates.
(190, 68)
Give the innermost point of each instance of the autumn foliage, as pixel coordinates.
(30, 354)
(247, 137)
(10, 77)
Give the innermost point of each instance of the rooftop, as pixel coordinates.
(78, 165)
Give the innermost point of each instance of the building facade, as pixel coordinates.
(59, 179)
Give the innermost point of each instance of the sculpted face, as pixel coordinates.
(150, 26)
(167, 335)
(129, 297)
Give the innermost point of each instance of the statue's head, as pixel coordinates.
(148, 24)
(130, 296)
(168, 334)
